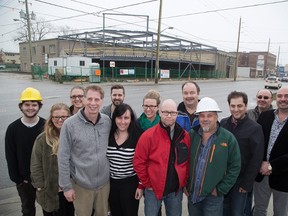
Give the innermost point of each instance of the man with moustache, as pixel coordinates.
(117, 95)
(161, 162)
(215, 162)
(186, 109)
(82, 161)
(19, 141)
(273, 175)
(250, 139)
(264, 99)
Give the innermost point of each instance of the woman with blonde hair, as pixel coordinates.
(150, 115)
(44, 165)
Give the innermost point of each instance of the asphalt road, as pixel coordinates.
(52, 92)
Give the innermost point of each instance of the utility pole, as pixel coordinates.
(237, 51)
(29, 38)
(278, 57)
(266, 62)
(158, 43)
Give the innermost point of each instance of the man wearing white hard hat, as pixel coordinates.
(215, 162)
(19, 141)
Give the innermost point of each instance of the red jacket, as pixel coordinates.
(152, 155)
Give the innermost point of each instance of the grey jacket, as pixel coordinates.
(107, 110)
(254, 113)
(82, 152)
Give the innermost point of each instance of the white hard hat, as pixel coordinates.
(207, 104)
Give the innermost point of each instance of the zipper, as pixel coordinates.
(212, 154)
(195, 162)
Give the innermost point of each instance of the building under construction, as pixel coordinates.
(134, 49)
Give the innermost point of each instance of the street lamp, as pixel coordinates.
(170, 27)
(26, 16)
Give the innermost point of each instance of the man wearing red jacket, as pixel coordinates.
(161, 162)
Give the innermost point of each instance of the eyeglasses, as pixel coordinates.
(166, 113)
(265, 97)
(76, 96)
(149, 106)
(59, 117)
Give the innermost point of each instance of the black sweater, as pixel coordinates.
(19, 141)
(251, 142)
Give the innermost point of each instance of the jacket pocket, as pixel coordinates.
(182, 153)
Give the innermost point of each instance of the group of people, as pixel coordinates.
(88, 160)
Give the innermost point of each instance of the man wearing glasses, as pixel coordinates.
(161, 162)
(264, 100)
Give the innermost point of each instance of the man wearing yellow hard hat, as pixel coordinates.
(19, 140)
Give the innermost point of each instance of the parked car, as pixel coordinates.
(272, 82)
(284, 79)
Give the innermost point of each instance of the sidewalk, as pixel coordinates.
(10, 204)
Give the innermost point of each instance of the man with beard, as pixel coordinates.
(117, 95)
(273, 175)
(250, 138)
(215, 162)
(19, 141)
(186, 109)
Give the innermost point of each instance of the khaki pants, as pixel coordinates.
(87, 199)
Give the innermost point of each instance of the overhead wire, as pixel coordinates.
(164, 18)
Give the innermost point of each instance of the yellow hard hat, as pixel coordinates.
(30, 94)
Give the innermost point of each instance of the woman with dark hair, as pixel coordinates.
(44, 165)
(125, 190)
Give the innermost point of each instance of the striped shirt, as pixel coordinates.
(121, 157)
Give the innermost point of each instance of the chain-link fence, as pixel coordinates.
(83, 74)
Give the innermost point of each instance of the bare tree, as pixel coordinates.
(39, 29)
(66, 30)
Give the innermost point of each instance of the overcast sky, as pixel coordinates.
(210, 22)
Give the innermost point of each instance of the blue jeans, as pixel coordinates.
(248, 208)
(234, 202)
(210, 206)
(173, 203)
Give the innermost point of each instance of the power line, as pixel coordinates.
(225, 9)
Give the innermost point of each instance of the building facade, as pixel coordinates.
(261, 64)
(132, 49)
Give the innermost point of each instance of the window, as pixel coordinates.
(82, 63)
(43, 49)
(24, 51)
(55, 63)
(52, 48)
(34, 50)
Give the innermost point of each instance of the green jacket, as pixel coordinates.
(44, 174)
(222, 166)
